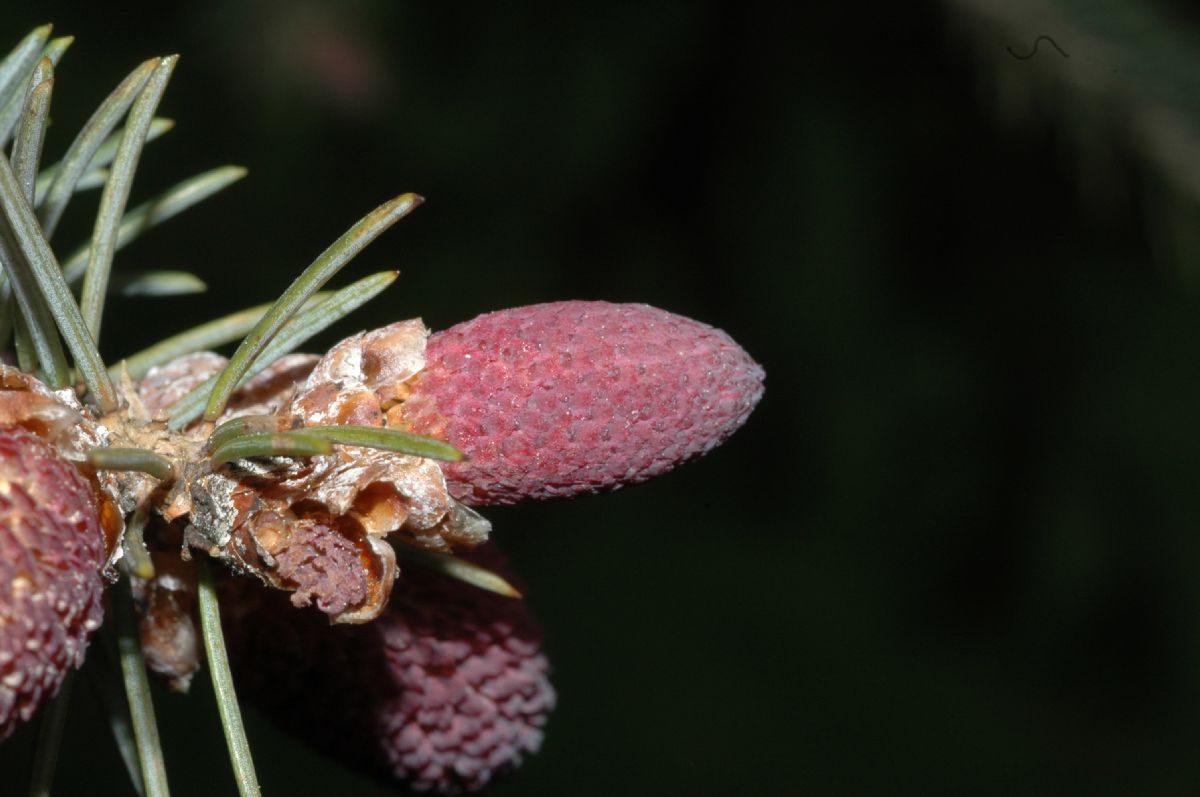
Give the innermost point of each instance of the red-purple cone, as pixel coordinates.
(443, 691)
(51, 551)
(554, 400)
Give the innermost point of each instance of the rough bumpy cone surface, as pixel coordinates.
(554, 400)
(443, 691)
(51, 551)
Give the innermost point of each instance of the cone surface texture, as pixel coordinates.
(445, 690)
(554, 400)
(51, 552)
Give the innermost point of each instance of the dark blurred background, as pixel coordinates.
(955, 549)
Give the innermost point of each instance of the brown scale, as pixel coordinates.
(314, 526)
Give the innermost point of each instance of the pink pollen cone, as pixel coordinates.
(443, 691)
(555, 400)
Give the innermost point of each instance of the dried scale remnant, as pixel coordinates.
(52, 550)
(363, 376)
(58, 418)
(445, 690)
(312, 526)
(233, 512)
(554, 400)
(361, 381)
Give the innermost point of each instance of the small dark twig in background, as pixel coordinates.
(1036, 41)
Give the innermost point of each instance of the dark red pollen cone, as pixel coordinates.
(51, 551)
